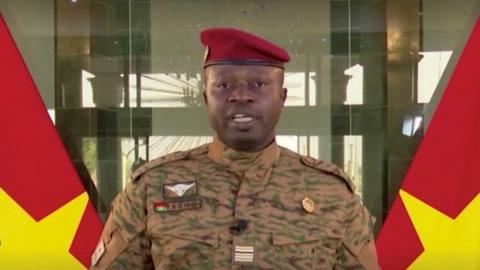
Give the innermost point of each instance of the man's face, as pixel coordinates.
(244, 103)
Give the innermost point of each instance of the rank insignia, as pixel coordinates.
(308, 205)
(180, 190)
(243, 254)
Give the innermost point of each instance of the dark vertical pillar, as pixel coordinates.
(372, 56)
(403, 41)
(108, 48)
(339, 22)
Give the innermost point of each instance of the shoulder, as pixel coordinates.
(168, 159)
(320, 166)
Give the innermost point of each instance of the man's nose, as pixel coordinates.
(242, 93)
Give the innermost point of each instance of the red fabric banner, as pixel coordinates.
(37, 173)
(435, 207)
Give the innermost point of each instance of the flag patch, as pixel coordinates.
(98, 253)
(160, 207)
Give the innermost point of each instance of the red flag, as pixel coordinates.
(43, 204)
(434, 223)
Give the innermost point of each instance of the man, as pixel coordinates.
(241, 202)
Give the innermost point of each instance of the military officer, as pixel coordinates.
(242, 201)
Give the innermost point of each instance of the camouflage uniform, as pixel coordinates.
(148, 229)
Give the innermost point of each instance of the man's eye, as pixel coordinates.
(259, 84)
(223, 85)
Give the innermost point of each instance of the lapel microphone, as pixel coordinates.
(239, 227)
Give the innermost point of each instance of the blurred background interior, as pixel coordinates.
(122, 78)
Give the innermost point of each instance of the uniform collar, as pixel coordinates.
(242, 161)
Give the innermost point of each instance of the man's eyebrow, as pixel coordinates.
(222, 78)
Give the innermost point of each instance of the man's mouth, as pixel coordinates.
(242, 118)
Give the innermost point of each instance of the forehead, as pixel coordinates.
(242, 70)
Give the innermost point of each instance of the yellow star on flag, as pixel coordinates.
(448, 243)
(28, 244)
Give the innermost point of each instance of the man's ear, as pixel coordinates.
(205, 97)
(204, 92)
(284, 94)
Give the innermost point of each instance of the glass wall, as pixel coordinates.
(122, 78)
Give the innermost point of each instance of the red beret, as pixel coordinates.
(231, 46)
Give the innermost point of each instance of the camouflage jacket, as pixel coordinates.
(216, 208)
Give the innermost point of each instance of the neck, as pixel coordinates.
(247, 147)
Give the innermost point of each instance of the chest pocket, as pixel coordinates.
(305, 250)
(185, 250)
